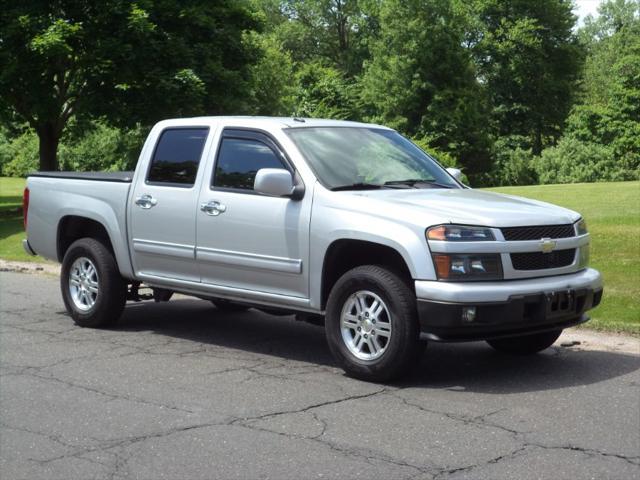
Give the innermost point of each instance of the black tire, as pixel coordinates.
(229, 306)
(527, 344)
(112, 288)
(402, 349)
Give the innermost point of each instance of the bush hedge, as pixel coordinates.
(100, 148)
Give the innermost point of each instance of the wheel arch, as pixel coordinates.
(343, 255)
(72, 227)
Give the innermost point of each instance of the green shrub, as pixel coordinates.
(513, 167)
(324, 92)
(574, 161)
(20, 155)
(445, 158)
(513, 163)
(102, 148)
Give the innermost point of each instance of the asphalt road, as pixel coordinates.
(181, 391)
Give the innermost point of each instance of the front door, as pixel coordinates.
(164, 206)
(244, 239)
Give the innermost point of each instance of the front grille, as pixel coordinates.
(538, 232)
(542, 261)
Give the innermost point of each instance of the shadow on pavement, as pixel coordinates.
(473, 367)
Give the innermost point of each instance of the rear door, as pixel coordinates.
(248, 240)
(163, 211)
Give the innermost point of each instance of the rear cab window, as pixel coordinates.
(177, 156)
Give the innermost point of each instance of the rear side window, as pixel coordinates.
(177, 156)
(240, 159)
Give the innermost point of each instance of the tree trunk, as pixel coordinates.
(537, 139)
(49, 138)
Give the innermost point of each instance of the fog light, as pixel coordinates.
(468, 314)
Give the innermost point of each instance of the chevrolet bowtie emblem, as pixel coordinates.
(547, 245)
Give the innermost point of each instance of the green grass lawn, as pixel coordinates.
(11, 227)
(612, 211)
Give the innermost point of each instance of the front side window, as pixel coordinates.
(177, 156)
(240, 159)
(346, 156)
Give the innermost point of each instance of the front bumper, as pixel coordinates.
(507, 308)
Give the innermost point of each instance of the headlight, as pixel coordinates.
(468, 267)
(581, 227)
(459, 233)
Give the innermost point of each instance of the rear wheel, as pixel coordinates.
(526, 344)
(371, 324)
(93, 291)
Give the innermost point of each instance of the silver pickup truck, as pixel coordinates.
(345, 224)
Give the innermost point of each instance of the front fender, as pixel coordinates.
(335, 224)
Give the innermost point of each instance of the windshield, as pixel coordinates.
(369, 157)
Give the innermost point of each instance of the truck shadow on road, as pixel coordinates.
(473, 367)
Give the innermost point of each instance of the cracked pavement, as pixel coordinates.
(179, 390)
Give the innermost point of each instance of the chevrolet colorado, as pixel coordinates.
(345, 224)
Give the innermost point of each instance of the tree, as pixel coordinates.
(421, 80)
(336, 32)
(272, 78)
(609, 111)
(613, 16)
(314, 52)
(323, 92)
(529, 60)
(129, 61)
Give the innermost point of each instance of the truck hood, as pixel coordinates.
(463, 206)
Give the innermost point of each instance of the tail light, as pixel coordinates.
(25, 206)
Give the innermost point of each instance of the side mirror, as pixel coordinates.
(455, 173)
(276, 182)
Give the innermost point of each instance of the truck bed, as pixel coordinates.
(122, 177)
(55, 197)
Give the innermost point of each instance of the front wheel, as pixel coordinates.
(371, 324)
(93, 291)
(526, 344)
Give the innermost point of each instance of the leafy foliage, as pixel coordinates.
(420, 80)
(323, 92)
(575, 161)
(133, 62)
(602, 135)
(513, 162)
(98, 147)
(19, 155)
(271, 78)
(529, 60)
(510, 91)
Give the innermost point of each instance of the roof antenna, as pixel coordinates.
(298, 119)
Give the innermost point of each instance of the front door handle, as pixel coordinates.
(213, 208)
(146, 201)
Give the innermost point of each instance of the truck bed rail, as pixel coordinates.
(121, 177)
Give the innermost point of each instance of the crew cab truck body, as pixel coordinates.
(341, 220)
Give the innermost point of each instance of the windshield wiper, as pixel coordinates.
(357, 186)
(413, 181)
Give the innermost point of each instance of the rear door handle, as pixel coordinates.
(146, 201)
(213, 208)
